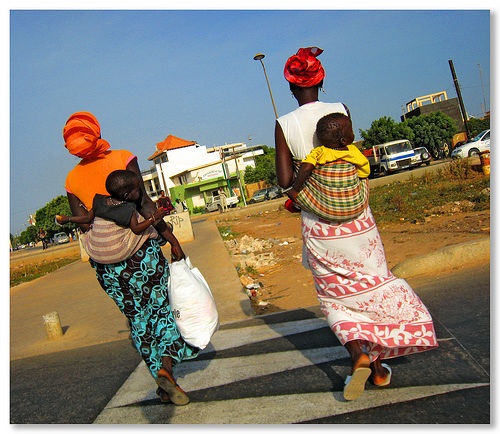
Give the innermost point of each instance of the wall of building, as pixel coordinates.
(197, 194)
(194, 174)
(449, 107)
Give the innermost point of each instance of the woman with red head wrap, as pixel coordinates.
(304, 69)
(372, 313)
(138, 284)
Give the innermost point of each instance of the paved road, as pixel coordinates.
(288, 368)
(279, 368)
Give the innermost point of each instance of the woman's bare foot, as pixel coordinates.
(361, 361)
(380, 376)
(355, 383)
(358, 357)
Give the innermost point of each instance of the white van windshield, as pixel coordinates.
(397, 148)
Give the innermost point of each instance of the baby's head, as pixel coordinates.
(123, 185)
(335, 130)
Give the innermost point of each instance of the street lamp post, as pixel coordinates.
(260, 56)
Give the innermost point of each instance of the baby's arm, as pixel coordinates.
(364, 169)
(304, 172)
(138, 228)
(81, 219)
(175, 247)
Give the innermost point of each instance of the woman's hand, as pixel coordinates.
(176, 253)
(292, 194)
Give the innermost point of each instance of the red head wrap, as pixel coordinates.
(304, 69)
(82, 136)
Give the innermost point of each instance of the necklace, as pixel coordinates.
(112, 201)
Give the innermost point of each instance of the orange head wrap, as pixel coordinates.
(82, 136)
(304, 69)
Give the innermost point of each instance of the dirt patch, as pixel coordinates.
(283, 283)
(37, 255)
(274, 273)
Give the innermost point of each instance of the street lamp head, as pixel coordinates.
(259, 56)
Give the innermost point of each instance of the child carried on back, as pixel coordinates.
(117, 230)
(332, 180)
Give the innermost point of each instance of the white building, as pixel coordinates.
(193, 173)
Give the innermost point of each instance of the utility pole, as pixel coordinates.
(460, 101)
(239, 178)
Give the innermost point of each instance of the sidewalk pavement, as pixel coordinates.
(89, 317)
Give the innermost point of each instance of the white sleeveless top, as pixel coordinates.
(299, 126)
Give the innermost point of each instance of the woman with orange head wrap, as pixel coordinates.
(141, 296)
(372, 313)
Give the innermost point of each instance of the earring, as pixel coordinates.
(322, 90)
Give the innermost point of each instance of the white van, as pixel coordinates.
(394, 156)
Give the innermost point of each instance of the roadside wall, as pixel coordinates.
(181, 222)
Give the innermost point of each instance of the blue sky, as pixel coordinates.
(147, 74)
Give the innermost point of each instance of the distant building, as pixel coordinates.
(434, 102)
(193, 173)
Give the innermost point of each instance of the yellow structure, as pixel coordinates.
(426, 99)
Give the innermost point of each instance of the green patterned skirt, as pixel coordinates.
(138, 286)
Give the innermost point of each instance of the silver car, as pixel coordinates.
(61, 238)
(273, 192)
(258, 196)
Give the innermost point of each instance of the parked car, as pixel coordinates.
(215, 204)
(424, 156)
(273, 192)
(61, 238)
(266, 194)
(258, 196)
(478, 144)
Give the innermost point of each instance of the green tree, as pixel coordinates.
(385, 130)
(432, 130)
(45, 216)
(265, 168)
(478, 125)
(28, 235)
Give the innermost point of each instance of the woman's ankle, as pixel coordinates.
(358, 357)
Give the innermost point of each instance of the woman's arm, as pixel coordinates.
(80, 219)
(78, 210)
(284, 160)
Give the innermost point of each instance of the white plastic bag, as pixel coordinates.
(192, 304)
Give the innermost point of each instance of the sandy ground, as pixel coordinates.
(288, 285)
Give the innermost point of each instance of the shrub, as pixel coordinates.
(412, 199)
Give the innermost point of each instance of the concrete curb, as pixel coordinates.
(457, 255)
